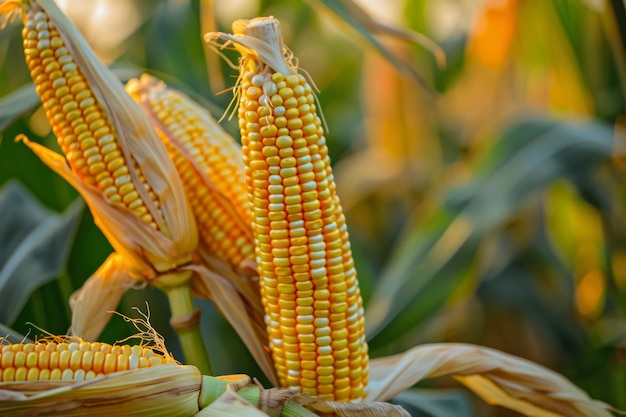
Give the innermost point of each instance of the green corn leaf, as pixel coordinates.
(11, 336)
(16, 104)
(35, 246)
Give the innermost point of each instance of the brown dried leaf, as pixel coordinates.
(139, 142)
(497, 377)
(100, 294)
(220, 286)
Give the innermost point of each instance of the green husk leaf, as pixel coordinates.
(230, 404)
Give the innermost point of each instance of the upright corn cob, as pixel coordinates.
(313, 306)
(76, 361)
(83, 127)
(209, 163)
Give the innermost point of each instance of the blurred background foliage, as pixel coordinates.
(488, 208)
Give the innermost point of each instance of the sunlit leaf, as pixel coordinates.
(35, 246)
(427, 262)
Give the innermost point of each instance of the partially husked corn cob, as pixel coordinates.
(75, 361)
(84, 129)
(208, 161)
(314, 311)
(212, 148)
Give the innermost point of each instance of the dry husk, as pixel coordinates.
(177, 237)
(498, 378)
(141, 252)
(100, 295)
(165, 390)
(232, 293)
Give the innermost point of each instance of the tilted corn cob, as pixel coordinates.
(208, 161)
(310, 292)
(83, 126)
(112, 155)
(115, 159)
(76, 361)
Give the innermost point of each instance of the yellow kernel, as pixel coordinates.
(33, 374)
(64, 358)
(295, 123)
(276, 100)
(21, 374)
(264, 111)
(76, 359)
(31, 359)
(7, 359)
(292, 80)
(110, 361)
(254, 92)
(19, 359)
(55, 374)
(98, 361)
(268, 131)
(122, 362)
(277, 77)
(291, 103)
(288, 172)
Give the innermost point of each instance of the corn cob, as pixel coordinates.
(75, 361)
(310, 292)
(209, 163)
(79, 119)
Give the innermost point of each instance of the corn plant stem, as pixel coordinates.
(183, 308)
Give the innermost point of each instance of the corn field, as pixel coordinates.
(478, 151)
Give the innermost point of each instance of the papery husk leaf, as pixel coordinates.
(245, 280)
(132, 238)
(164, 390)
(139, 143)
(519, 384)
(230, 404)
(272, 55)
(366, 409)
(492, 394)
(92, 304)
(219, 286)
